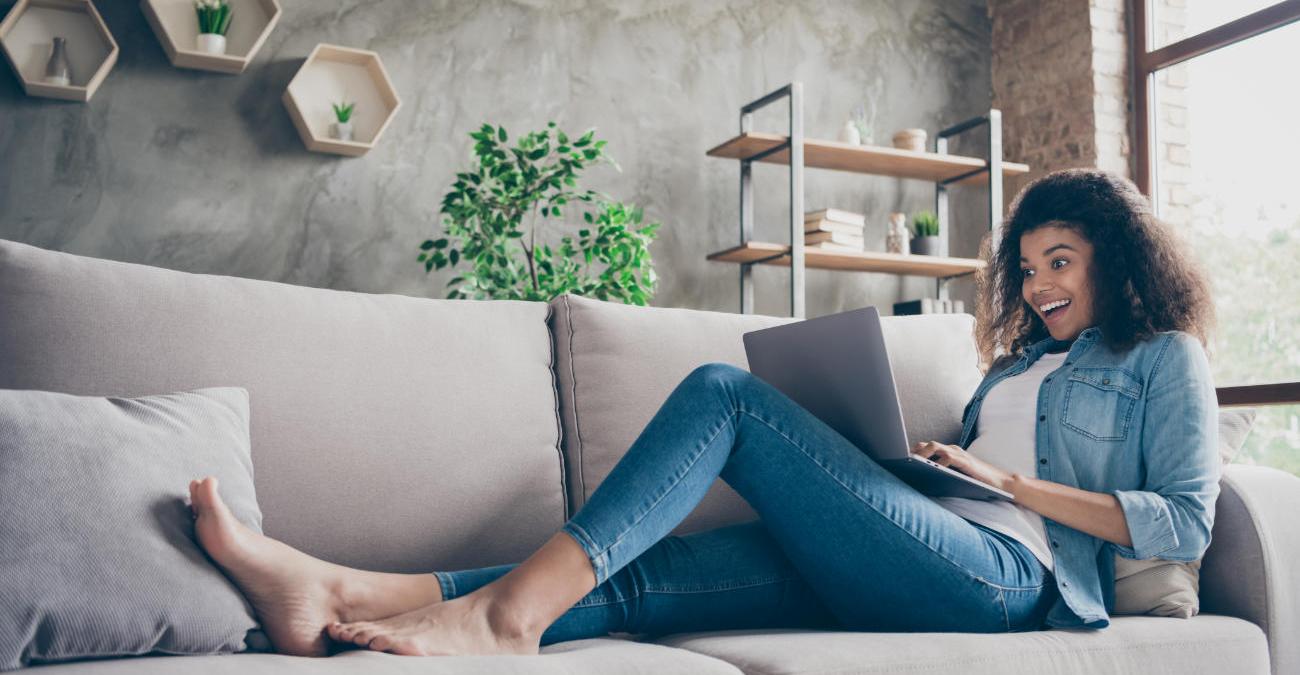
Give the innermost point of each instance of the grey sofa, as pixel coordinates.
(451, 434)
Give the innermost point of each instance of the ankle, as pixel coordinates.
(364, 596)
(510, 616)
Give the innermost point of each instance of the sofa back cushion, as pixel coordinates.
(376, 420)
(616, 364)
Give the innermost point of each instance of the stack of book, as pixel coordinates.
(834, 229)
(929, 306)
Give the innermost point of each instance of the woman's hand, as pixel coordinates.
(956, 458)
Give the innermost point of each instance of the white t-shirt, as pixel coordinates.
(1004, 437)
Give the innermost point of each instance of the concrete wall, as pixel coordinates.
(204, 172)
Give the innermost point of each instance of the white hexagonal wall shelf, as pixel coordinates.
(334, 74)
(177, 28)
(27, 35)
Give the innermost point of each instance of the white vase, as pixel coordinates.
(341, 131)
(211, 43)
(897, 235)
(849, 134)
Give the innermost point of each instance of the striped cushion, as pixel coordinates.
(98, 555)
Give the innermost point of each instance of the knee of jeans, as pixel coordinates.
(718, 373)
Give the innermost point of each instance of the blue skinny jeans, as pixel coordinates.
(841, 543)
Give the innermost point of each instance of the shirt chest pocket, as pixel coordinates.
(1099, 402)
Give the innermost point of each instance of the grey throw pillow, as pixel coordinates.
(1168, 587)
(99, 556)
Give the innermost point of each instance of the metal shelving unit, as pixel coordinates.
(796, 151)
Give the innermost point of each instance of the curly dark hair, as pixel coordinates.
(1143, 278)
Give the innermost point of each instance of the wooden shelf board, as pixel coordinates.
(869, 159)
(177, 28)
(858, 261)
(332, 74)
(26, 35)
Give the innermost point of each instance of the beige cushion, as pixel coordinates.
(617, 363)
(1234, 427)
(377, 434)
(604, 655)
(1205, 645)
(1168, 587)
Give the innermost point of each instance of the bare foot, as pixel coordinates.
(295, 595)
(477, 623)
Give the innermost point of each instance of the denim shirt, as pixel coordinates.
(1141, 425)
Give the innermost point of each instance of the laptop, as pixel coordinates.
(838, 369)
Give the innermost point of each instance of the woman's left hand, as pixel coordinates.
(956, 458)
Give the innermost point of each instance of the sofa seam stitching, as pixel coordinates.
(559, 423)
(577, 425)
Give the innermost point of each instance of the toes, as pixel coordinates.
(342, 632)
(206, 498)
(381, 643)
(364, 636)
(359, 633)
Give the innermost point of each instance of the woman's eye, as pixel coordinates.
(1026, 273)
(1059, 260)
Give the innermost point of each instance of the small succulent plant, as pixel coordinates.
(925, 224)
(343, 111)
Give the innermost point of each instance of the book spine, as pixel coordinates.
(836, 216)
(837, 237)
(830, 226)
(907, 307)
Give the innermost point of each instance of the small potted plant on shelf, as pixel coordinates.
(341, 129)
(214, 21)
(925, 233)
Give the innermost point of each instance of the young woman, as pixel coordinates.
(1098, 414)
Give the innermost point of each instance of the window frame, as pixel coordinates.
(1146, 63)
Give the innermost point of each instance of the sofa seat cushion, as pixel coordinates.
(605, 655)
(376, 420)
(1207, 644)
(615, 365)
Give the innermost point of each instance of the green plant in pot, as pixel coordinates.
(535, 183)
(214, 20)
(925, 233)
(341, 128)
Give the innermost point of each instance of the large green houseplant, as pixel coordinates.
(537, 179)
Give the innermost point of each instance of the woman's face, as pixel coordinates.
(1055, 269)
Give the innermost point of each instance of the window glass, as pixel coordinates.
(1226, 145)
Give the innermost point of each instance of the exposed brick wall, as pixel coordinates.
(1060, 76)
(1110, 77)
(1173, 158)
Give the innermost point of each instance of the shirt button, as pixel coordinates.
(1056, 544)
(1065, 584)
(1042, 461)
(1047, 379)
(1105, 380)
(1042, 418)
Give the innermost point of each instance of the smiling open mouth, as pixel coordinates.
(1055, 308)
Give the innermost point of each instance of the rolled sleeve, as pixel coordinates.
(1171, 517)
(1150, 525)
